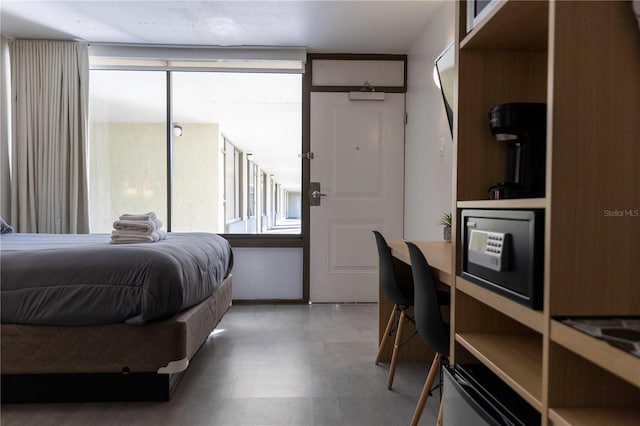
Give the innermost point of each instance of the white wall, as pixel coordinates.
(267, 273)
(428, 174)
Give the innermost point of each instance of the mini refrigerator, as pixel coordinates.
(474, 396)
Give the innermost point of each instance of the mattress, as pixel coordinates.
(82, 280)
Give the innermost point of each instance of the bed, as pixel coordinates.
(85, 320)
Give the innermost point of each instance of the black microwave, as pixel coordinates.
(503, 251)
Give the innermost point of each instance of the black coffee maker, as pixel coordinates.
(523, 126)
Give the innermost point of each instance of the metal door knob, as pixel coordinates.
(317, 194)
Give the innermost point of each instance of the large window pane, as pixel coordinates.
(238, 129)
(127, 146)
(234, 135)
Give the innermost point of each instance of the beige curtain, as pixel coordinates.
(5, 128)
(49, 116)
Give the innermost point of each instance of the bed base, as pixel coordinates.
(139, 363)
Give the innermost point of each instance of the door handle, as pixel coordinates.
(314, 194)
(317, 194)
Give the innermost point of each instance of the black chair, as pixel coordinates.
(396, 284)
(431, 328)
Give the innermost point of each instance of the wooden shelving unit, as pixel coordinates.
(598, 352)
(583, 60)
(528, 317)
(515, 357)
(594, 416)
(521, 203)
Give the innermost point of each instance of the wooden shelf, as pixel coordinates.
(615, 361)
(547, 52)
(487, 79)
(518, 203)
(594, 416)
(516, 358)
(526, 316)
(513, 25)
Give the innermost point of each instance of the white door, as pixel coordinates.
(358, 160)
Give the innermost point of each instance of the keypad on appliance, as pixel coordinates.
(494, 243)
(489, 249)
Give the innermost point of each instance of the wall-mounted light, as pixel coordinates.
(177, 130)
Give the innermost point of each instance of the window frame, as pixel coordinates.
(236, 209)
(237, 239)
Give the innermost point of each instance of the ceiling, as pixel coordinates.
(318, 26)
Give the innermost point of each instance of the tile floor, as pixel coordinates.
(269, 365)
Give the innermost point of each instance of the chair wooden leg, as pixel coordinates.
(385, 336)
(396, 350)
(433, 372)
(439, 422)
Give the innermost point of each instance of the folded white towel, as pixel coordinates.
(118, 237)
(131, 233)
(158, 235)
(142, 216)
(137, 228)
(145, 227)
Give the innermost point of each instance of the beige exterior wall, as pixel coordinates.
(128, 174)
(198, 179)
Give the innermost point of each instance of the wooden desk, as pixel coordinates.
(439, 255)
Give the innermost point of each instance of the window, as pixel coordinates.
(229, 134)
(127, 146)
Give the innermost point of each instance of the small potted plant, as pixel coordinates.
(445, 221)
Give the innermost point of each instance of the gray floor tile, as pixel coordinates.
(269, 365)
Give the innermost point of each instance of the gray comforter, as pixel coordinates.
(49, 279)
